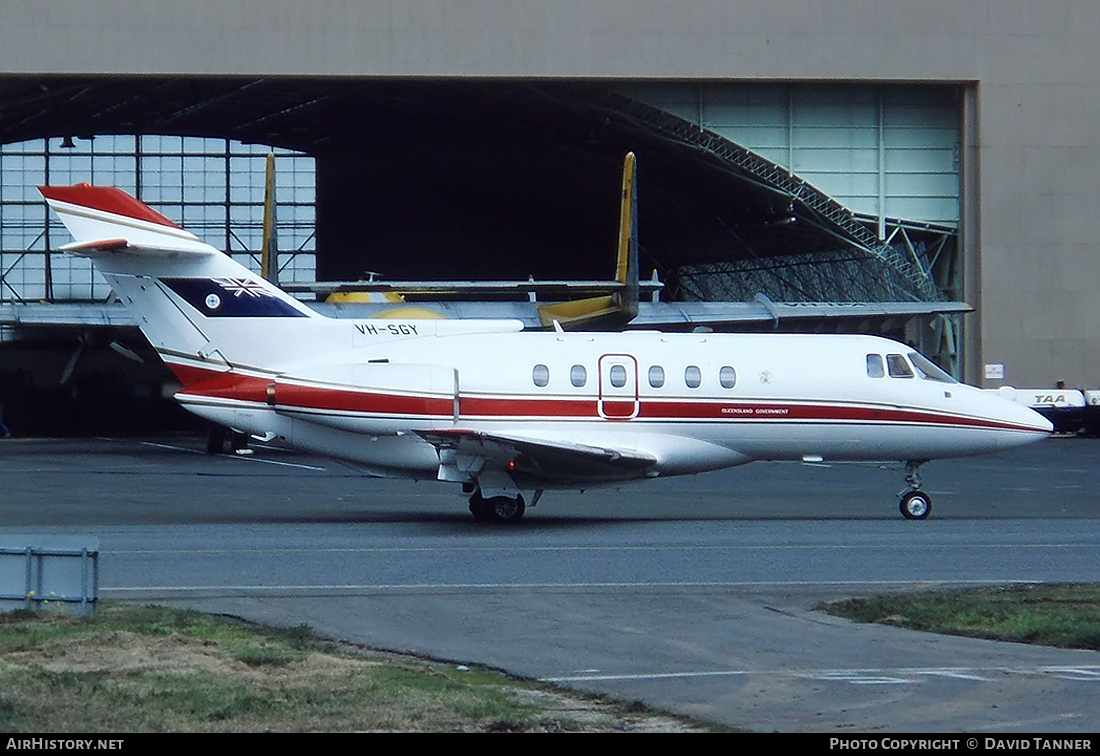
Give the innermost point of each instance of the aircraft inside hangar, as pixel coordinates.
(799, 193)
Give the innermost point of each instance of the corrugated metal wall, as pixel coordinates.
(889, 151)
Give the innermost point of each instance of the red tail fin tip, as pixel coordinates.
(106, 199)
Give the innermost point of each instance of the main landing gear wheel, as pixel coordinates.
(497, 508)
(915, 505)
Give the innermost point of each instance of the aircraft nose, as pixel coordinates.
(1025, 424)
(1031, 424)
(1040, 424)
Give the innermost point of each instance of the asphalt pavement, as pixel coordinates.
(694, 594)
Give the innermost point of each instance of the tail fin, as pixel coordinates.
(191, 300)
(626, 269)
(621, 307)
(106, 219)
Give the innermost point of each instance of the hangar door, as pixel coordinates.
(883, 151)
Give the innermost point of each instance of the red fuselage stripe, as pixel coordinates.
(295, 396)
(200, 382)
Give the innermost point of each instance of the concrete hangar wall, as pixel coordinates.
(1028, 72)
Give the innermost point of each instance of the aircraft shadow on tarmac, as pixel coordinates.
(172, 481)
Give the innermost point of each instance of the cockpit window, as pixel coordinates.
(875, 368)
(929, 370)
(898, 367)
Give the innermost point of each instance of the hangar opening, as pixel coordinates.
(800, 192)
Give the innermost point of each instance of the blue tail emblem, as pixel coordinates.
(231, 298)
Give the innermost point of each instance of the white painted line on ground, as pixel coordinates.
(652, 676)
(368, 587)
(888, 676)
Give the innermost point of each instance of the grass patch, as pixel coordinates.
(1064, 616)
(156, 669)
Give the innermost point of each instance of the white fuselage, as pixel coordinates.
(498, 409)
(692, 402)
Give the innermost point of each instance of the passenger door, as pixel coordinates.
(618, 389)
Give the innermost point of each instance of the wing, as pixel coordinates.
(501, 463)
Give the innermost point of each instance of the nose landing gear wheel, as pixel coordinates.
(916, 505)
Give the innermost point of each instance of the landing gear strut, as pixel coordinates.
(497, 508)
(915, 503)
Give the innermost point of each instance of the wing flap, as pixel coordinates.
(467, 454)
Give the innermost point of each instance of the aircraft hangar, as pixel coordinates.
(850, 151)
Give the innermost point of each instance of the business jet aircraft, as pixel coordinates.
(501, 411)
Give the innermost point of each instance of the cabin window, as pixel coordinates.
(875, 368)
(540, 374)
(693, 376)
(617, 375)
(928, 369)
(727, 376)
(578, 376)
(656, 376)
(898, 367)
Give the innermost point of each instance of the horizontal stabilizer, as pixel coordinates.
(586, 312)
(107, 219)
(542, 289)
(122, 246)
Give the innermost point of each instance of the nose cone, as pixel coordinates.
(1039, 424)
(1022, 425)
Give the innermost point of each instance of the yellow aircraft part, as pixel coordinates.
(385, 297)
(268, 252)
(614, 310)
(409, 313)
(577, 310)
(365, 296)
(626, 220)
(621, 305)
